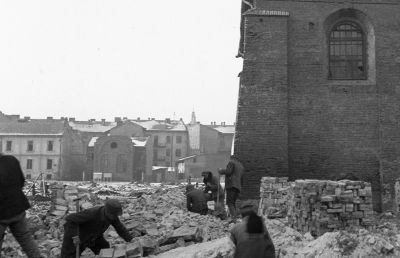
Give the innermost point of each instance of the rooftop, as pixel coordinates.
(28, 126)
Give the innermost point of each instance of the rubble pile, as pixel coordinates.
(274, 195)
(322, 206)
(157, 218)
(67, 199)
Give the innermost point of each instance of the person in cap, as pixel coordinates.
(13, 204)
(89, 226)
(214, 192)
(233, 183)
(250, 236)
(196, 200)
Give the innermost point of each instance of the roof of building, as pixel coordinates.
(187, 157)
(32, 127)
(92, 127)
(137, 141)
(227, 129)
(161, 125)
(260, 12)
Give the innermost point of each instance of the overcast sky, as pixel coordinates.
(102, 59)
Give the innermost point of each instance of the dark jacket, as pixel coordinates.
(196, 201)
(234, 171)
(251, 245)
(92, 224)
(12, 199)
(211, 183)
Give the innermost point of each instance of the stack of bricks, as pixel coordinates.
(274, 196)
(321, 206)
(64, 200)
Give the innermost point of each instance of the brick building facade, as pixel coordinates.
(319, 92)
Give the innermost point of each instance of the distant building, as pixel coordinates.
(125, 158)
(41, 145)
(81, 166)
(210, 147)
(170, 140)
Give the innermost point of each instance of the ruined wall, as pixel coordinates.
(293, 121)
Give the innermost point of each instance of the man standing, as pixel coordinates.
(196, 200)
(13, 204)
(233, 183)
(86, 228)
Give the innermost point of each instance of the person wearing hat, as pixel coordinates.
(233, 183)
(89, 225)
(250, 236)
(196, 200)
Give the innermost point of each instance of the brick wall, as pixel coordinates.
(293, 121)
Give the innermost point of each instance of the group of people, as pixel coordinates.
(85, 229)
(250, 236)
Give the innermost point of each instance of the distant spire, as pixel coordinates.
(193, 120)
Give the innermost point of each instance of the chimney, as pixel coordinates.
(49, 118)
(27, 118)
(168, 120)
(149, 118)
(125, 118)
(138, 119)
(103, 121)
(72, 119)
(117, 119)
(153, 118)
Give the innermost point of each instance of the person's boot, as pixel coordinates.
(232, 212)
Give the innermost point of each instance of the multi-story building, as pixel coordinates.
(319, 92)
(210, 147)
(170, 140)
(41, 145)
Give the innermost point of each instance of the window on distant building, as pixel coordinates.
(168, 152)
(178, 152)
(347, 52)
(28, 176)
(155, 140)
(155, 154)
(49, 164)
(194, 160)
(168, 139)
(29, 164)
(48, 176)
(168, 164)
(114, 145)
(8, 145)
(50, 145)
(30, 146)
(178, 139)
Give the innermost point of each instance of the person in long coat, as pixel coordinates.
(13, 204)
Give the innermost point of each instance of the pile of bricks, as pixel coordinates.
(274, 196)
(64, 199)
(321, 206)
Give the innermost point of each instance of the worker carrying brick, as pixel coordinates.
(250, 236)
(196, 200)
(89, 225)
(233, 183)
(13, 204)
(214, 192)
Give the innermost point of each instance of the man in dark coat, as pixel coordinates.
(233, 183)
(196, 200)
(90, 225)
(13, 204)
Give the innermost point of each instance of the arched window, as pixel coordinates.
(347, 52)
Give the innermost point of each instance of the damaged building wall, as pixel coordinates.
(295, 120)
